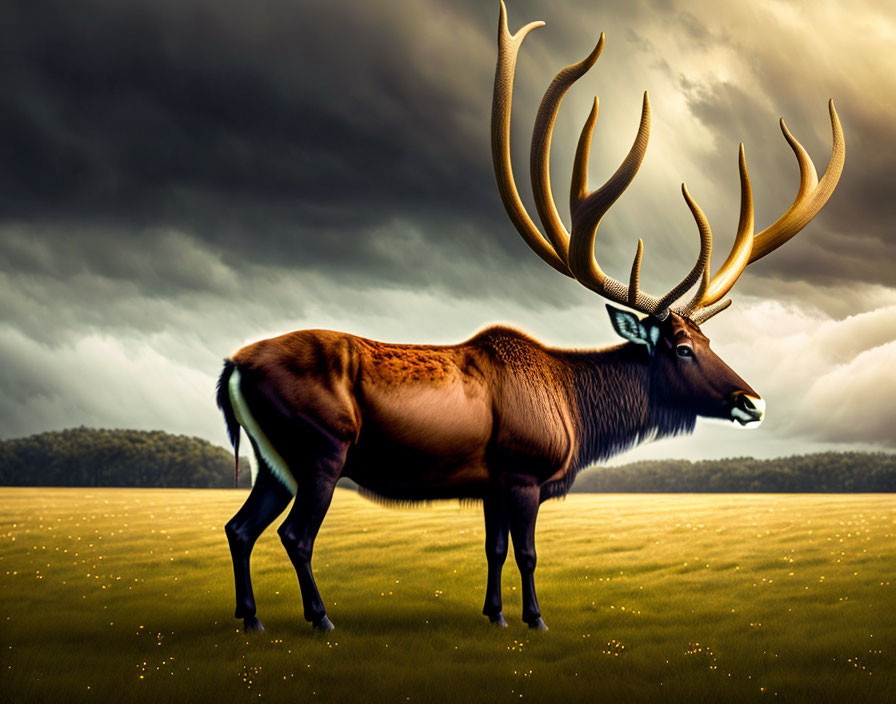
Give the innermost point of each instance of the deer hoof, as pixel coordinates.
(498, 620)
(251, 624)
(324, 625)
(538, 625)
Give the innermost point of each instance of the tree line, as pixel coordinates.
(825, 472)
(101, 457)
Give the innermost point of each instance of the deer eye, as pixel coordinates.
(684, 351)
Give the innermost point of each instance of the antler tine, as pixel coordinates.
(541, 149)
(694, 304)
(508, 47)
(737, 259)
(700, 268)
(810, 198)
(704, 314)
(588, 210)
(635, 277)
(578, 187)
(812, 195)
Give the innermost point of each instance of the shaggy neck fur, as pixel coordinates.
(617, 401)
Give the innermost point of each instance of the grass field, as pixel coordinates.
(127, 595)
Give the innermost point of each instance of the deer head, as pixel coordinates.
(670, 333)
(685, 373)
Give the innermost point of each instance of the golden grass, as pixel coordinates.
(127, 595)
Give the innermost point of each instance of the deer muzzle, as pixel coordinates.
(748, 410)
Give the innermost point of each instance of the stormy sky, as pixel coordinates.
(180, 178)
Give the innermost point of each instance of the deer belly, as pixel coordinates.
(422, 440)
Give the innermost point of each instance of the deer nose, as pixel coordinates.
(748, 409)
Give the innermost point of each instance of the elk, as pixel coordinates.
(501, 417)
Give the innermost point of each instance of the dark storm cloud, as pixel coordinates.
(273, 130)
(335, 137)
(322, 133)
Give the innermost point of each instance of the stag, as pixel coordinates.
(501, 417)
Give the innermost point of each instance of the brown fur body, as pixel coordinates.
(426, 421)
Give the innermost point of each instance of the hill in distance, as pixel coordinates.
(102, 457)
(136, 458)
(825, 472)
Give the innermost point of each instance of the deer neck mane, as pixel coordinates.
(617, 402)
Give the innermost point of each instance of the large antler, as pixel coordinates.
(810, 198)
(573, 254)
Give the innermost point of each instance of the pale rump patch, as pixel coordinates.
(267, 451)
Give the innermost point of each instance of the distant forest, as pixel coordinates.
(97, 457)
(826, 472)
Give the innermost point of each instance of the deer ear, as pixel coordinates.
(628, 326)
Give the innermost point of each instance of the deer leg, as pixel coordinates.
(496, 530)
(266, 501)
(300, 529)
(521, 505)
